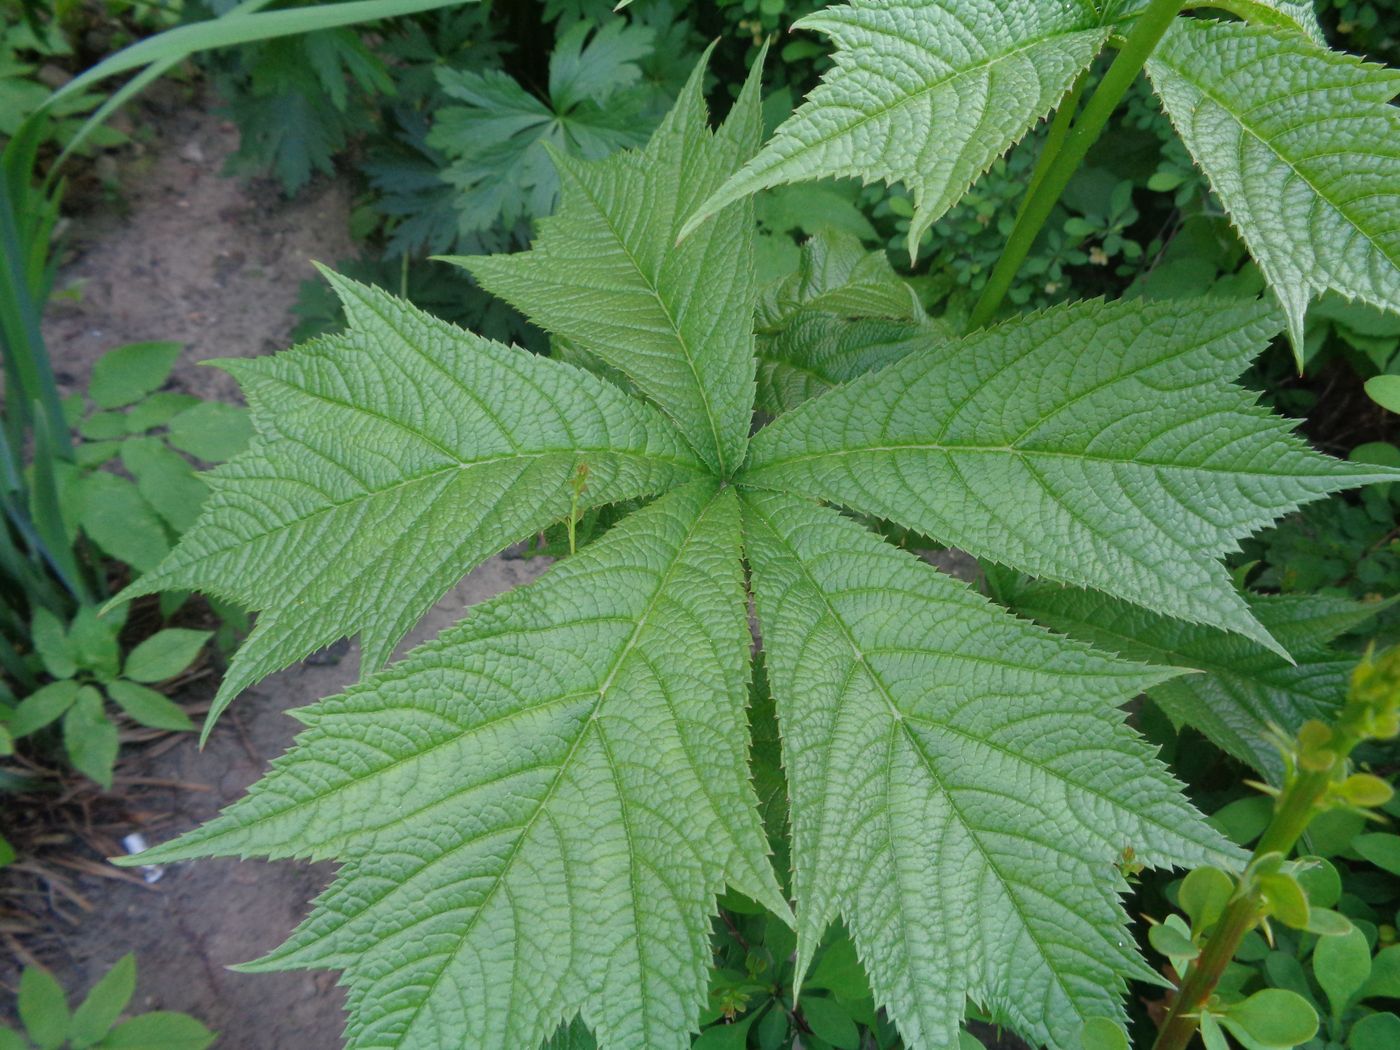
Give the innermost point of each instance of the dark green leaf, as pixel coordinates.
(829, 1020)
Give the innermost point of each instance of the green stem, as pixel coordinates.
(1061, 164)
(1055, 136)
(1296, 807)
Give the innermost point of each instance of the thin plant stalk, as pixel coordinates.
(1060, 164)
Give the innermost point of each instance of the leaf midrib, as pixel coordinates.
(591, 726)
(1249, 129)
(987, 63)
(676, 332)
(1006, 450)
(460, 466)
(897, 725)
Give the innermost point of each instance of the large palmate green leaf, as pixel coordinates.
(1303, 147)
(605, 272)
(1245, 693)
(1097, 444)
(534, 814)
(536, 811)
(943, 757)
(383, 470)
(924, 92)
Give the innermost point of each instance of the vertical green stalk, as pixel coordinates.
(1317, 768)
(26, 361)
(1055, 136)
(1059, 165)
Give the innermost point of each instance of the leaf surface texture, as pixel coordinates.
(1097, 444)
(606, 273)
(1244, 690)
(924, 92)
(1302, 145)
(536, 811)
(385, 468)
(942, 758)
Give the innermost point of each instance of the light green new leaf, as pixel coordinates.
(924, 92)
(1245, 689)
(386, 466)
(1302, 146)
(843, 312)
(605, 272)
(837, 274)
(1096, 444)
(943, 757)
(536, 811)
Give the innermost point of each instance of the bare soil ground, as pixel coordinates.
(214, 263)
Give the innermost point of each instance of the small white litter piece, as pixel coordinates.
(136, 843)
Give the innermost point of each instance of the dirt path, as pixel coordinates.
(192, 256)
(215, 264)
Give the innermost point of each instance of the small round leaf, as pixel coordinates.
(1342, 965)
(1272, 1018)
(1385, 391)
(1204, 894)
(1376, 1032)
